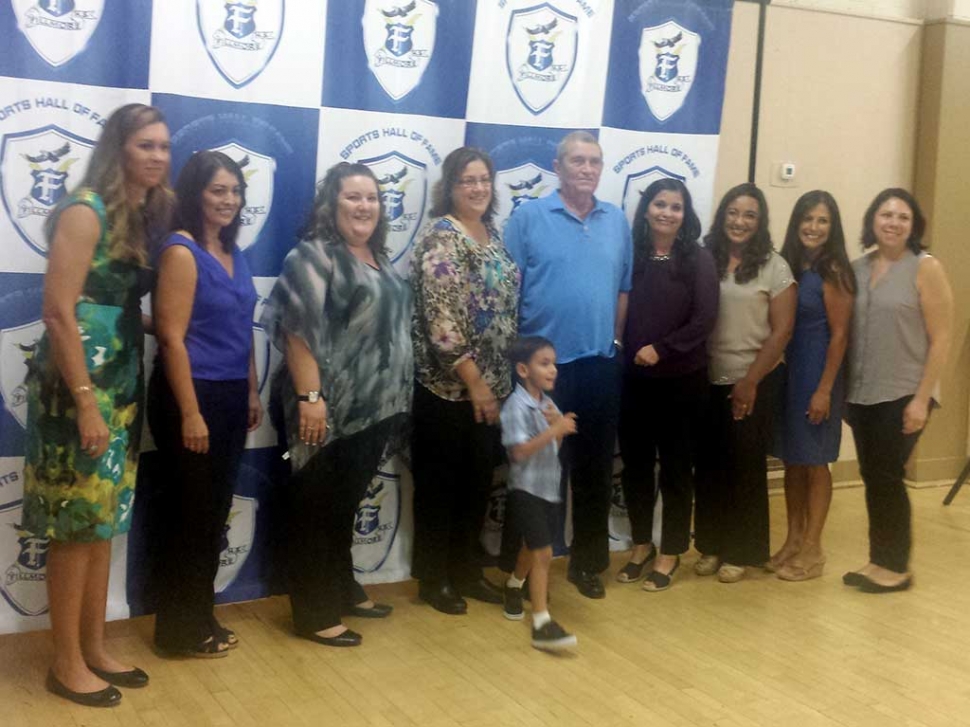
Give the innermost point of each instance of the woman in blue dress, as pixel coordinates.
(810, 428)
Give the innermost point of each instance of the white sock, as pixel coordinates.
(514, 582)
(540, 619)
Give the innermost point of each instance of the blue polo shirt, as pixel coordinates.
(573, 270)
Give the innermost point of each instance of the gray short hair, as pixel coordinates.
(575, 137)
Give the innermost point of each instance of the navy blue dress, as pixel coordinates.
(798, 441)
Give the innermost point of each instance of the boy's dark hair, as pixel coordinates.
(524, 348)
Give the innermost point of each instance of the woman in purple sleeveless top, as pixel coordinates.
(202, 397)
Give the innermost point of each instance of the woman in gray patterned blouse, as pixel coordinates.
(341, 315)
(466, 290)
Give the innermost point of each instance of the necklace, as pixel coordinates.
(660, 257)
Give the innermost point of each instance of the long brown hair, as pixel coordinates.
(756, 252)
(832, 263)
(131, 229)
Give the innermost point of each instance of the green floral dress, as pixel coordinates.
(69, 495)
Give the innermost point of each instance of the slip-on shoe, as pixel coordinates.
(588, 584)
(107, 697)
(347, 638)
(482, 590)
(870, 586)
(378, 610)
(131, 679)
(443, 598)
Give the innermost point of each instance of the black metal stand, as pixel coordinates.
(958, 484)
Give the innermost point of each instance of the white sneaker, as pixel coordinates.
(728, 573)
(707, 565)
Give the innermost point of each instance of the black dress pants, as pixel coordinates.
(197, 495)
(883, 450)
(731, 515)
(453, 458)
(321, 502)
(665, 416)
(590, 387)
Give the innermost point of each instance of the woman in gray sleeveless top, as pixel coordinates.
(899, 343)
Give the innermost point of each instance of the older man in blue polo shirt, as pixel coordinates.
(576, 257)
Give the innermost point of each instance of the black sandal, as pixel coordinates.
(211, 648)
(657, 581)
(632, 572)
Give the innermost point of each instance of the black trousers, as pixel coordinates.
(661, 416)
(731, 515)
(196, 495)
(590, 387)
(452, 459)
(321, 502)
(883, 450)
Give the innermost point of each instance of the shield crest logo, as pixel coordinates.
(399, 38)
(540, 53)
(16, 346)
(376, 521)
(520, 185)
(619, 522)
(403, 184)
(240, 36)
(38, 167)
(494, 520)
(259, 173)
(637, 182)
(58, 29)
(237, 540)
(668, 65)
(23, 576)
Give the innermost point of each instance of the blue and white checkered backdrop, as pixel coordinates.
(288, 88)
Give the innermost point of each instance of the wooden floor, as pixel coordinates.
(761, 652)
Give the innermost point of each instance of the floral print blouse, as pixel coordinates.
(466, 301)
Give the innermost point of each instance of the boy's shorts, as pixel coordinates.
(533, 519)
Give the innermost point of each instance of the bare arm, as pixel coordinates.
(255, 405)
(622, 304)
(172, 311)
(781, 319)
(838, 311)
(306, 377)
(936, 300)
(68, 263)
(564, 425)
(484, 403)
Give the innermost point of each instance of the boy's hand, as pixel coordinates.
(566, 424)
(551, 414)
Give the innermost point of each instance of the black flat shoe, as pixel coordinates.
(852, 578)
(588, 584)
(443, 598)
(107, 697)
(870, 586)
(482, 590)
(132, 679)
(632, 572)
(378, 610)
(347, 638)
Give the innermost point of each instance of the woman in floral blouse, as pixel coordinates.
(466, 297)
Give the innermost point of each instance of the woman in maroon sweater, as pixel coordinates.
(672, 310)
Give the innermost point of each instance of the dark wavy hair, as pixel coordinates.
(133, 229)
(685, 244)
(322, 221)
(915, 241)
(758, 249)
(451, 170)
(832, 262)
(195, 176)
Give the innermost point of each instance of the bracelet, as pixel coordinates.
(83, 389)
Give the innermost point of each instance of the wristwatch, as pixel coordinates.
(311, 397)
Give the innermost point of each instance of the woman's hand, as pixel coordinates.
(915, 415)
(484, 403)
(646, 356)
(94, 432)
(313, 422)
(195, 433)
(255, 410)
(743, 395)
(819, 407)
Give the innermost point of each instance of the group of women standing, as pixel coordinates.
(708, 327)
(774, 379)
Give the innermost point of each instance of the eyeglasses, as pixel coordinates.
(469, 182)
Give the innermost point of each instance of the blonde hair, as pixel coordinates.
(131, 228)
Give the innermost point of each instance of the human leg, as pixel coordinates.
(637, 448)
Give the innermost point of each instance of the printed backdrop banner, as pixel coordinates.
(288, 88)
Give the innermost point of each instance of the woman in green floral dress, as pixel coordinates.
(85, 386)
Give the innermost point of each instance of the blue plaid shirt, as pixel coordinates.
(522, 420)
